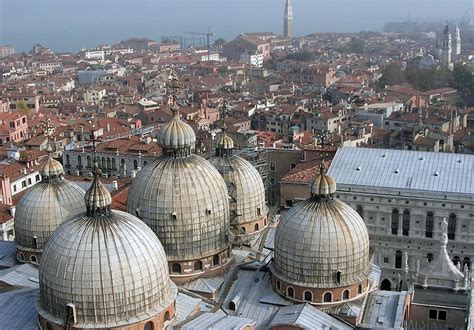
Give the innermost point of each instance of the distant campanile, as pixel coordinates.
(288, 20)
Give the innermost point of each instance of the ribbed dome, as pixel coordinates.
(225, 142)
(176, 135)
(246, 187)
(97, 197)
(108, 264)
(320, 237)
(185, 202)
(43, 208)
(52, 168)
(323, 184)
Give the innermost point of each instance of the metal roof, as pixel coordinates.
(25, 275)
(17, 309)
(306, 317)
(7, 254)
(218, 321)
(204, 285)
(385, 310)
(403, 169)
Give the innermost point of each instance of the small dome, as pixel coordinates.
(225, 142)
(185, 202)
(176, 135)
(323, 184)
(44, 207)
(322, 242)
(108, 265)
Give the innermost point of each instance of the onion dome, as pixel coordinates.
(246, 189)
(176, 137)
(322, 242)
(104, 269)
(43, 208)
(183, 199)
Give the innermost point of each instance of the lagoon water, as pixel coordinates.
(68, 25)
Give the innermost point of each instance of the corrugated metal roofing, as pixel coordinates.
(7, 254)
(17, 309)
(204, 285)
(385, 310)
(25, 275)
(218, 321)
(402, 169)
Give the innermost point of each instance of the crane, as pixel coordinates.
(208, 35)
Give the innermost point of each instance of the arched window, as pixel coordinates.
(21, 256)
(242, 230)
(359, 289)
(429, 225)
(429, 257)
(467, 261)
(167, 316)
(145, 163)
(215, 260)
(232, 306)
(33, 259)
(198, 265)
(89, 162)
(149, 326)
(386, 285)
(35, 242)
(308, 296)
(135, 164)
(346, 295)
(452, 226)
(68, 161)
(338, 277)
(398, 259)
(327, 297)
(256, 227)
(109, 163)
(70, 315)
(176, 269)
(272, 166)
(278, 284)
(395, 220)
(406, 223)
(49, 326)
(290, 292)
(360, 210)
(79, 160)
(456, 260)
(104, 163)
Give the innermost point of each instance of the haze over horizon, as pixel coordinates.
(71, 25)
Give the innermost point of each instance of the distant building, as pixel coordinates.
(446, 49)
(251, 45)
(288, 20)
(457, 44)
(6, 51)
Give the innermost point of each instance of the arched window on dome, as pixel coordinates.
(167, 316)
(456, 260)
(467, 261)
(359, 289)
(33, 259)
(145, 163)
(452, 226)
(429, 257)
(327, 297)
(360, 211)
(35, 242)
(135, 164)
(176, 268)
(198, 265)
(346, 295)
(70, 315)
(308, 296)
(395, 220)
(242, 230)
(290, 292)
(429, 225)
(338, 277)
(259, 211)
(149, 326)
(49, 326)
(215, 260)
(398, 259)
(278, 284)
(256, 227)
(21, 256)
(406, 223)
(272, 166)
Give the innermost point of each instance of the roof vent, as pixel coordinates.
(421, 158)
(384, 156)
(358, 168)
(459, 161)
(397, 171)
(436, 173)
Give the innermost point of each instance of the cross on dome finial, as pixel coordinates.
(323, 142)
(48, 131)
(175, 86)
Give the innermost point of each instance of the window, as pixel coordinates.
(360, 211)
(435, 314)
(242, 230)
(467, 262)
(35, 242)
(148, 326)
(68, 162)
(273, 181)
(289, 203)
(456, 260)
(359, 289)
(176, 269)
(386, 260)
(429, 257)
(215, 260)
(23, 184)
(259, 211)
(395, 219)
(452, 226)
(135, 164)
(33, 259)
(70, 315)
(272, 166)
(29, 181)
(338, 277)
(292, 166)
(308, 296)
(278, 284)
(198, 265)
(398, 259)
(346, 295)
(14, 187)
(327, 297)
(49, 326)
(290, 292)
(79, 160)
(429, 225)
(406, 223)
(256, 227)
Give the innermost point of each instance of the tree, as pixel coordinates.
(219, 42)
(22, 107)
(303, 56)
(392, 74)
(463, 80)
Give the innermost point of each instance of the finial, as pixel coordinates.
(48, 131)
(444, 233)
(407, 269)
(323, 142)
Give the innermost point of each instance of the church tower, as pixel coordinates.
(446, 49)
(288, 20)
(457, 43)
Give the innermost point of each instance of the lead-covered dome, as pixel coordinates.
(322, 242)
(43, 208)
(176, 135)
(104, 269)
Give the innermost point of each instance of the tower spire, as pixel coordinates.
(288, 20)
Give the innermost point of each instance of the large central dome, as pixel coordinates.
(321, 246)
(184, 200)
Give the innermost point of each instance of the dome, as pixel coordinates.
(43, 208)
(225, 142)
(176, 135)
(323, 184)
(322, 242)
(185, 202)
(105, 265)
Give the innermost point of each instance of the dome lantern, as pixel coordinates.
(97, 197)
(225, 144)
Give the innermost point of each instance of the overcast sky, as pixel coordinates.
(71, 24)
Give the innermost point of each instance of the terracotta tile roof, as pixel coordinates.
(304, 172)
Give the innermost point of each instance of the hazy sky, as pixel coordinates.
(71, 24)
